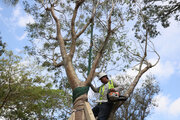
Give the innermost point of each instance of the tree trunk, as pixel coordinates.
(111, 115)
(113, 111)
(78, 107)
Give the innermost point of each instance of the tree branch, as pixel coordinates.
(55, 59)
(90, 20)
(99, 54)
(145, 52)
(58, 64)
(5, 99)
(140, 72)
(58, 30)
(74, 35)
(71, 74)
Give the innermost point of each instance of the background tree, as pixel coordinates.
(26, 94)
(11, 2)
(141, 101)
(2, 45)
(60, 37)
(162, 11)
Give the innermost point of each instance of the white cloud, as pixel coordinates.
(132, 72)
(23, 20)
(163, 70)
(18, 18)
(1, 8)
(163, 102)
(168, 43)
(17, 12)
(168, 106)
(178, 68)
(18, 50)
(22, 37)
(174, 108)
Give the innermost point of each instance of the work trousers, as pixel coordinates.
(102, 110)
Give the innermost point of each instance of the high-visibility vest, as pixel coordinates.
(101, 89)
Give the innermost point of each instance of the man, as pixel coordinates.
(103, 108)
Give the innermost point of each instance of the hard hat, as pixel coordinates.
(102, 74)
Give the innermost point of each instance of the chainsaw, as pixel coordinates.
(115, 96)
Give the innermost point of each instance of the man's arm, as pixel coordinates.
(96, 90)
(117, 86)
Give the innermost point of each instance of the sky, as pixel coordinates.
(12, 27)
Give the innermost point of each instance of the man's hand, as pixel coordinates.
(93, 88)
(112, 90)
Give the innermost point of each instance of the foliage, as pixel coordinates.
(26, 94)
(11, 2)
(47, 47)
(162, 11)
(2, 46)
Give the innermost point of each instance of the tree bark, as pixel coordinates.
(78, 107)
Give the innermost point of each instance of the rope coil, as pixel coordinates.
(79, 91)
(75, 110)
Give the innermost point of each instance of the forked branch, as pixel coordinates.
(100, 52)
(74, 35)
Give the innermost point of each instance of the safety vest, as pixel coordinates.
(101, 89)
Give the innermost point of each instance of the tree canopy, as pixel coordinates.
(43, 33)
(11, 2)
(142, 102)
(162, 11)
(26, 94)
(2, 46)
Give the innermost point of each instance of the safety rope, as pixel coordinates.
(83, 90)
(90, 48)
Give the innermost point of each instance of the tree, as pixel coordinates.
(11, 2)
(2, 46)
(141, 102)
(26, 94)
(162, 11)
(62, 29)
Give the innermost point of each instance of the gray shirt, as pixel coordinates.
(117, 88)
